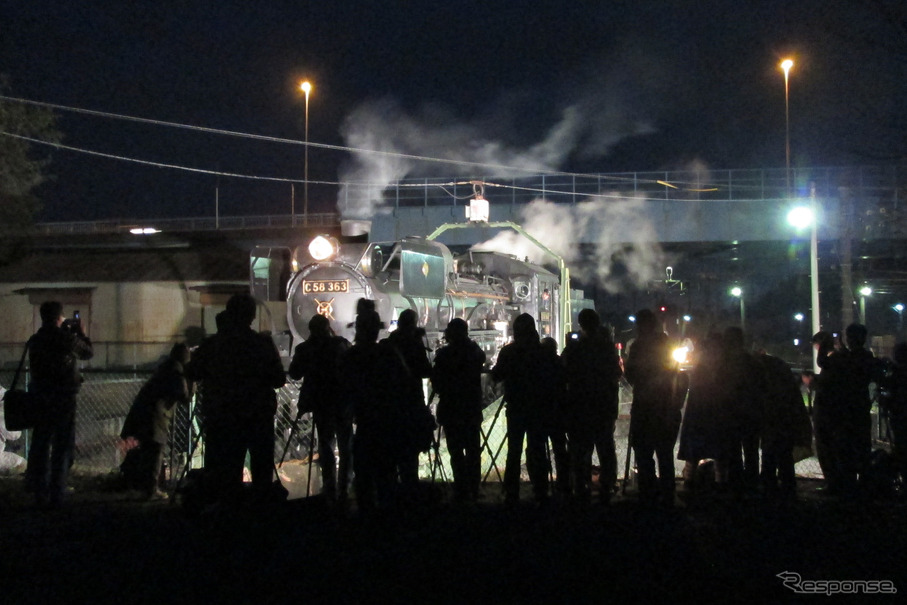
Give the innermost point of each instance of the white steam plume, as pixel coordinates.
(436, 133)
(625, 248)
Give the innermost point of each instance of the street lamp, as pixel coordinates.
(786, 65)
(864, 292)
(306, 87)
(900, 309)
(800, 218)
(738, 292)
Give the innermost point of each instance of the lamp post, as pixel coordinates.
(900, 309)
(738, 292)
(306, 87)
(864, 292)
(786, 65)
(799, 317)
(800, 218)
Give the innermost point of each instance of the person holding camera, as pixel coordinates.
(316, 361)
(529, 372)
(457, 379)
(593, 380)
(148, 422)
(54, 352)
(239, 370)
(655, 413)
(408, 340)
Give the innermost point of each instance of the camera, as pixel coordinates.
(73, 325)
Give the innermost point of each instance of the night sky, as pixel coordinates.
(573, 86)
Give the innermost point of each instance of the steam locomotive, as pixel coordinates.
(486, 289)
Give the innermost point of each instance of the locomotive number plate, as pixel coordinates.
(316, 286)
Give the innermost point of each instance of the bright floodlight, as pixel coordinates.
(687, 318)
(865, 291)
(800, 217)
(306, 87)
(786, 65)
(478, 210)
(632, 318)
(898, 307)
(799, 316)
(736, 291)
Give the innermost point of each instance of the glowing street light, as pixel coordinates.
(786, 65)
(737, 292)
(800, 218)
(864, 292)
(683, 326)
(306, 87)
(900, 309)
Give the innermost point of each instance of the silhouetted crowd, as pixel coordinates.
(740, 416)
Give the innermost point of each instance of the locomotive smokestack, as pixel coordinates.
(353, 227)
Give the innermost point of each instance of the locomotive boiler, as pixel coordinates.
(486, 289)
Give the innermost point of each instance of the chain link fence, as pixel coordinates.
(106, 396)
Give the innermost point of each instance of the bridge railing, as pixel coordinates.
(881, 185)
(207, 223)
(680, 185)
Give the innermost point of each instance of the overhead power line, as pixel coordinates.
(487, 166)
(393, 154)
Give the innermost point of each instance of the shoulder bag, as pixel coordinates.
(21, 409)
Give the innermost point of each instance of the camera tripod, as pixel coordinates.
(194, 441)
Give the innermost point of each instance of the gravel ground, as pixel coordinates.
(106, 546)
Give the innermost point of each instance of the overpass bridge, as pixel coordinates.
(681, 206)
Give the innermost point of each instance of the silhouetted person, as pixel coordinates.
(896, 405)
(557, 431)
(744, 385)
(704, 428)
(528, 372)
(843, 408)
(457, 380)
(148, 422)
(593, 379)
(654, 415)
(316, 361)
(374, 378)
(785, 424)
(409, 341)
(239, 370)
(825, 425)
(54, 351)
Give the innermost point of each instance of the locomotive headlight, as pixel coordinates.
(680, 354)
(323, 247)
